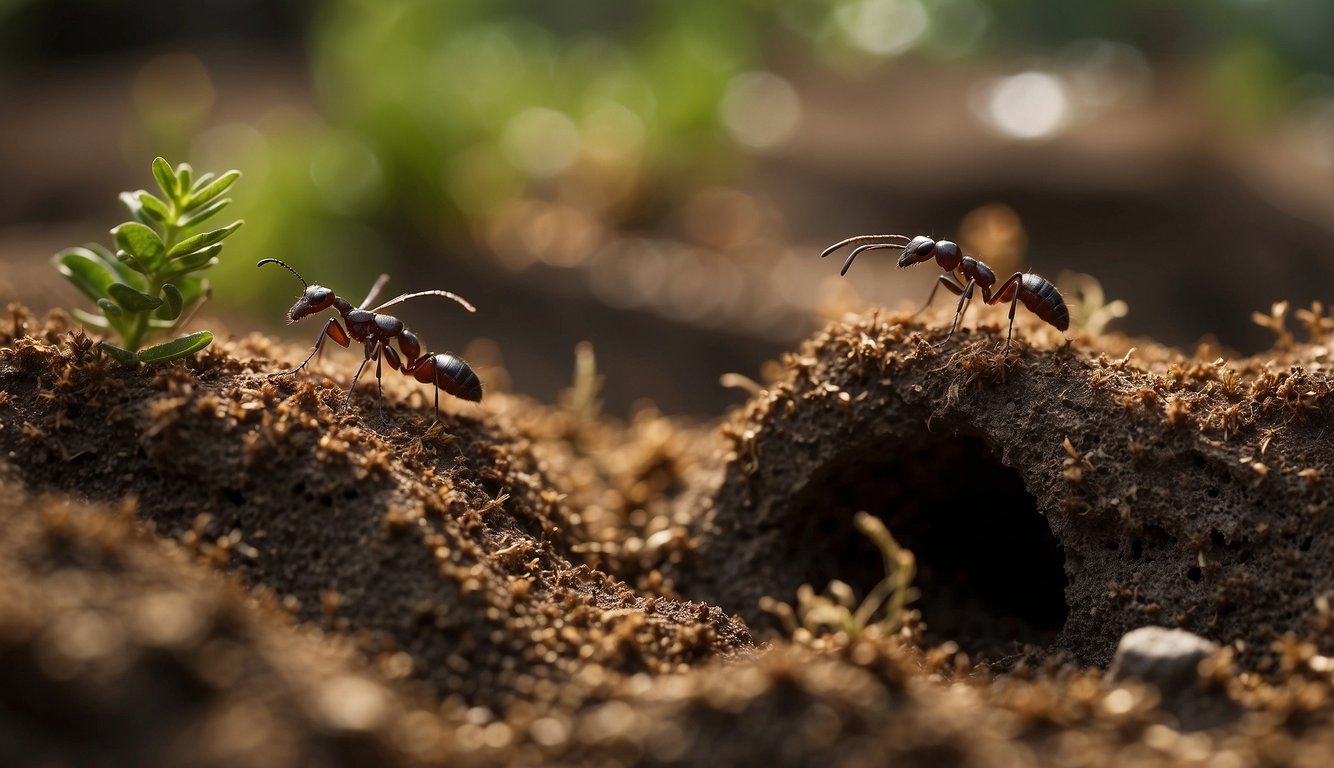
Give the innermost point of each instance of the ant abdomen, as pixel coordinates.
(1043, 300)
(450, 374)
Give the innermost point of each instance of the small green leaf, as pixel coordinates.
(199, 214)
(172, 309)
(131, 262)
(206, 194)
(203, 179)
(192, 288)
(136, 209)
(86, 271)
(132, 300)
(194, 259)
(101, 252)
(176, 348)
(109, 308)
(166, 178)
(203, 239)
(140, 241)
(154, 207)
(120, 355)
(183, 175)
(177, 274)
(88, 318)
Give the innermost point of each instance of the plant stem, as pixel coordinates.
(170, 231)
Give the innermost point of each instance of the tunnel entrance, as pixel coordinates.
(989, 571)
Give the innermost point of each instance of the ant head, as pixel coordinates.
(316, 298)
(923, 248)
(313, 300)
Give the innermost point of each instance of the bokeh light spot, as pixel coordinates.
(541, 142)
(884, 27)
(760, 109)
(173, 90)
(1031, 105)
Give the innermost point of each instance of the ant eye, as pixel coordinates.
(922, 245)
(319, 297)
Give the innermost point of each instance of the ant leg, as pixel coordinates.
(332, 330)
(965, 296)
(947, 280)
(370, 348)
(426, 359)
(379, 382)
(1014, 302)
(1014, 280)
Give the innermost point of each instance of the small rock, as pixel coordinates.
(1169, 659)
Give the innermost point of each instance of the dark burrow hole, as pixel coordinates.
(990, 573)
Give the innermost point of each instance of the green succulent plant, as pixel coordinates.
(149, 286)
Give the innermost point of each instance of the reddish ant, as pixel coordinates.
(1039, 295)
(375, 331)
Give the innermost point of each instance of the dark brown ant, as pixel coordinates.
(1039, 295)
(375, 331)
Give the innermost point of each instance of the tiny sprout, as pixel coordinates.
(147, 287)
(581, 399)
(741, 381)
(1089, 308)
(1276, 321)
(831, 618)
(895, 590)
(1317, 325)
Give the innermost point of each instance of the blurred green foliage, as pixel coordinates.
(467, 103)
(436, 117)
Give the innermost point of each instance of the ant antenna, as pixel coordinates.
(287, 266)
(861, 239)
(860, 248)
(436, 292)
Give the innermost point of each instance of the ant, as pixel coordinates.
(1039, 295)
(375, 331)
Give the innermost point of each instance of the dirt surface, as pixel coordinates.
(115, 649)
(203, 565)
(442, 542)
(1056, 499)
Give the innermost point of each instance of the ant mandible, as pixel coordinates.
(375, 330)
(1039, 295)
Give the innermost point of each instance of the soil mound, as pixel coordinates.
(1057, 498)
(440, 544)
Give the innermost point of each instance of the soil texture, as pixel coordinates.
(206, 565)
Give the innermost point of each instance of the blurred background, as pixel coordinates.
(657, 177)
